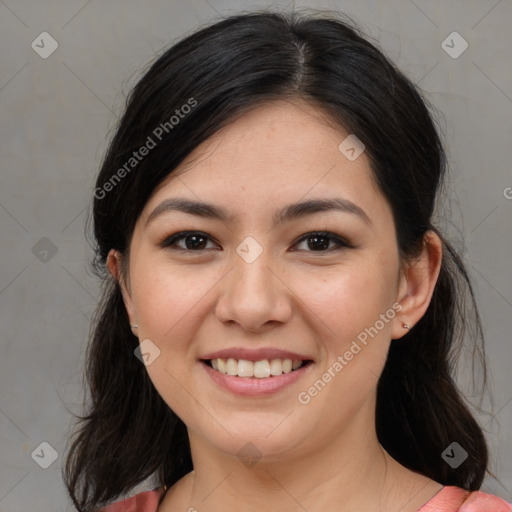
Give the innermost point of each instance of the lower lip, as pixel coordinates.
(252, 386)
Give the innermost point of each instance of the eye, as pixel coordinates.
(196, 241)
(321, 240)
(193, 240)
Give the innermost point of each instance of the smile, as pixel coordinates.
(263, 377)
(262, 369)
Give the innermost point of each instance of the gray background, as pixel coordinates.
(57, 115)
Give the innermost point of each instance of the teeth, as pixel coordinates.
(259, 369)
(245, 368)
(231, 366)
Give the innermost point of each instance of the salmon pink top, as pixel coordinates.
(448, 499)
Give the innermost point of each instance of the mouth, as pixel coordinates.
(262, 369)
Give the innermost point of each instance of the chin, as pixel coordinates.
(259, 443)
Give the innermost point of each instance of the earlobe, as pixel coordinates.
(417, 284)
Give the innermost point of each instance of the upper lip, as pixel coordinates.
(255, 354)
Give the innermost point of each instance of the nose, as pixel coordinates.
(254, 296)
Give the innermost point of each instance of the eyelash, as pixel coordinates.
(341, 242)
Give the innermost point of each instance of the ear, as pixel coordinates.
(114, 262)
(417, 283)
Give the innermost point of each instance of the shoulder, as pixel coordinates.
(479, 501)
(147, 501)
(448, 499)
(451, 498)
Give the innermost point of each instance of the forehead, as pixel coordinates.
(286, 131)
(278, 152)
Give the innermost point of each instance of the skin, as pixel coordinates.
(324, 455)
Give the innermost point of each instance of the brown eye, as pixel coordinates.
(319, 241)
(192, 241)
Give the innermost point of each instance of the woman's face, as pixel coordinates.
(254, 286)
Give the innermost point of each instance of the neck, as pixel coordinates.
(348, 472)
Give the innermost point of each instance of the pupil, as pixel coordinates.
(324, 245)
(194, 243)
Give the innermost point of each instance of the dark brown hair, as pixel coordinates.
(129, 432)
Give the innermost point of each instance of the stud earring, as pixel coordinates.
(405, 326)
(134, 326)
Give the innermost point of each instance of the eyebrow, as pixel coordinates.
(288, 213)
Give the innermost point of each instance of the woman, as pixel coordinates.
(280, 313)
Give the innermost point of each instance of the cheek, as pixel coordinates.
(350, 299)
(164, 297)
(169, 303)
(357, 340)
